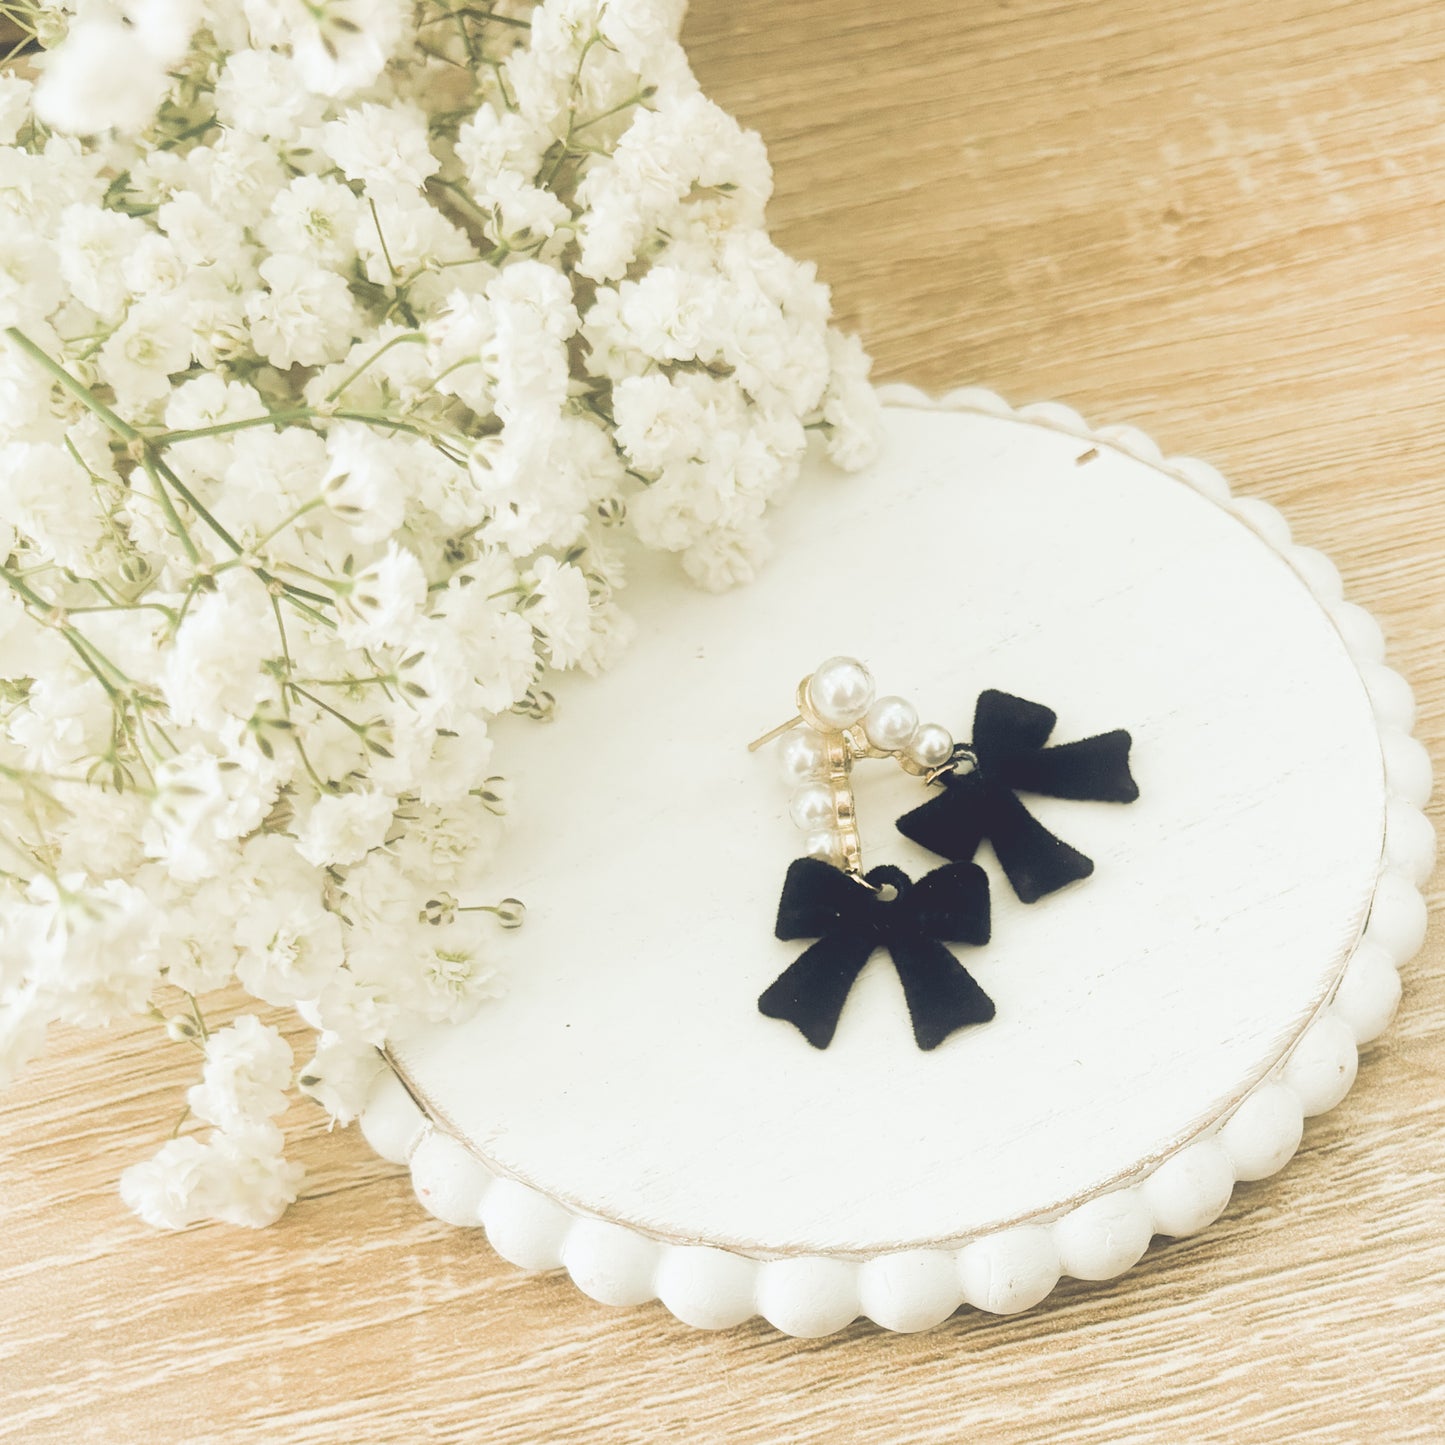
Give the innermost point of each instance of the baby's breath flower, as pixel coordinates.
(334, 342)
(344, 828)
(246, 1075)
(306, 315)
(561, 609)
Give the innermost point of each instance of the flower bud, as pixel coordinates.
(511, 912)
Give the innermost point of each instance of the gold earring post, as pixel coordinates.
(777, 732)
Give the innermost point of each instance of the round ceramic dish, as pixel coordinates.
(1162, 1028)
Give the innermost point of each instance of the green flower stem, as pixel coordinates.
(165, 478)
(339, 587)
(358, 728)
(111, 690)
(446, 371)
(170, 142)
(27, 593)
(294, 733)
(168, 612)
(111, 599)
(224, 428)
(194, 503)
(306, 610)
(129, 717)
(573, 149)
(141, 733)
(565, 144)
(53, 615)
(439, 58)
(77, 389)
(510, 912)
(322, 786)
(403, 338)
(414, 427)
(285, 646)
(378, 681)
(192, 588)
(468, 43)
(169, 508)
(564, 151)
(295, 516)
(22, 18)
(508, 98)
(27, 779)
(430, 268)
(381, 236)
(198, 1016)
(473, 12)
(161, 471)
(645, 94)
(147, 452)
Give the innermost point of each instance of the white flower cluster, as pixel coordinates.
(338, 336)
(238, 1174)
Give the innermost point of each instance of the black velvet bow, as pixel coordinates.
(1009, 734)
(911, 920)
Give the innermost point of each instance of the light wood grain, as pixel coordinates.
(1220, 222)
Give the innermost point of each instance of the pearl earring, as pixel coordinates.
(828, 897)
(839, 720)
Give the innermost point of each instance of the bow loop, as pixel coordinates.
(1004, 724)
(949, 904)
(818, 898)
(1092, 770)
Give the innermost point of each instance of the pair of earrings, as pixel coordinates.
(851, 913)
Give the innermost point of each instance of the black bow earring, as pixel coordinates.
(828, 897)
(1008, 756)
(852, 917)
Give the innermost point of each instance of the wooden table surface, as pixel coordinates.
(1222, 222)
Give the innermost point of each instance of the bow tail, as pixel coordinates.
(1094, 770)
(811, 991)
(942, 995)
(1033, 859)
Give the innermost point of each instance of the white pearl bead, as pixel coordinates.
(802, 755)
(825, 845)
(932, 746)
(840, 691)
(891, 723)
(813, 807)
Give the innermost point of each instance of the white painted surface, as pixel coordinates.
(628, 1073)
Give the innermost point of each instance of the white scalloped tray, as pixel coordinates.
(1162, 1029)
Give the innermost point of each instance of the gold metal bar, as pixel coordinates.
(777, 732)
